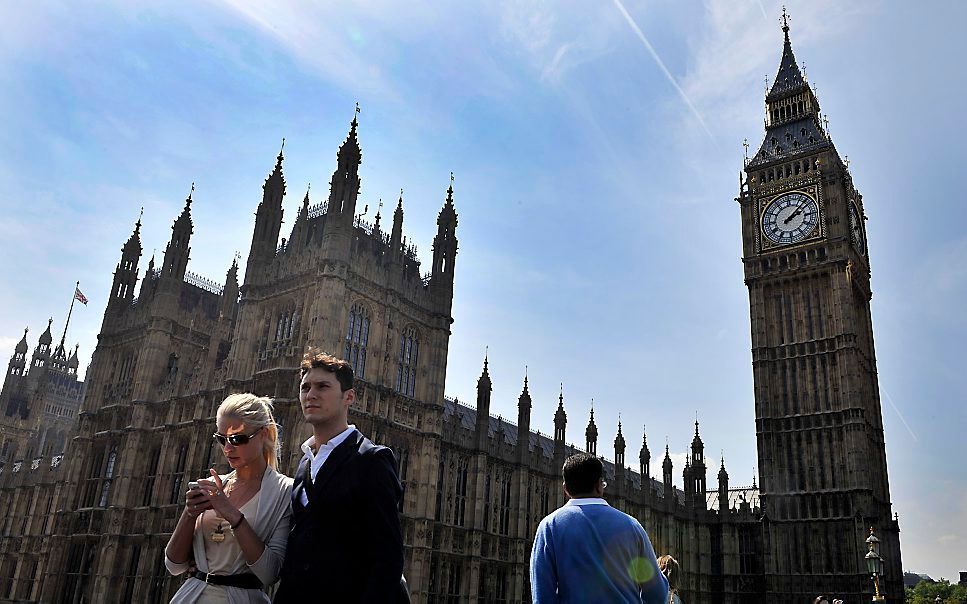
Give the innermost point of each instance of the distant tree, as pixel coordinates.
(926, 593)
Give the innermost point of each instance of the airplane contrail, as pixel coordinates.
(763, 9)
(661, 64)
(900, 415)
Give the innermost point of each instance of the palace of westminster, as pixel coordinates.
(93, 473)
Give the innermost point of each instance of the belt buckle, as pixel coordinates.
(206, 578)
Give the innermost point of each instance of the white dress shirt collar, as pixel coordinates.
(587, 501)
(334, 442)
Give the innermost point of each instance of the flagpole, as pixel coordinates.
(73, 297)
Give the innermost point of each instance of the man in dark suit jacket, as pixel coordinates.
(345, 544)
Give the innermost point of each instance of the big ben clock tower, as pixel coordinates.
(819, 428)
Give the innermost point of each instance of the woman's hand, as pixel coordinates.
(213, 494)
(196, 502)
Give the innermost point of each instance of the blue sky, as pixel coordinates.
(596, 150)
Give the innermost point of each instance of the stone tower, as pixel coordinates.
(821, 451)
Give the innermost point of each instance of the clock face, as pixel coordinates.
(790, 218)
(856, 229)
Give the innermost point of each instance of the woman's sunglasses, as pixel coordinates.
(236, 440)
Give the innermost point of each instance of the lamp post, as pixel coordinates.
(874, 563)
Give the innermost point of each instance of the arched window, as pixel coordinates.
(406, 368)
(108, 475)
(357, 337)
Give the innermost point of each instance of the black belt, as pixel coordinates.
(243, 580)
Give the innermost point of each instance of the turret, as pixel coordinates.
(644, 459)
(177, 251)
(230, 291)
(42, 351)
(445, 244)
(73, 363)
(268, 218)
(723, 488)
(344, 187)
(126, 273)
(698, 465)
(560, 426)
(300, 230)
(523, 422)
(619, 449)
(396, 235)
(18, 362)
(149, 281)
(689, 486)
(484, 389)
(592, 434)
(666, 470)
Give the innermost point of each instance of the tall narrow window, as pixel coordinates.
(154, 458)
(406, 369)
(108, 475)
(357, 337)
(460, 503)
(93, 474)
(178, 476)
(504, 518)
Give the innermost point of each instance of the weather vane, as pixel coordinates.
(745, 144)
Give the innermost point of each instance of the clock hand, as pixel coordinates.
(794, 214)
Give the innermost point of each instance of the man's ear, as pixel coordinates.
(566, 493)
(349, 396)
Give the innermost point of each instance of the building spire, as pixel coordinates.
(789, 78)
(22, 344)
(46, 337)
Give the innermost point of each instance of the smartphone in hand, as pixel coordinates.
(193, 485)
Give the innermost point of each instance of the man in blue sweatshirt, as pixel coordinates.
(588, 552)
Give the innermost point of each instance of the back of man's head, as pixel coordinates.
(581, 474)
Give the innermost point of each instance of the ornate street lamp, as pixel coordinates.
(874, 563)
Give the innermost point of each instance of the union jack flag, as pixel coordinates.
(79, 296)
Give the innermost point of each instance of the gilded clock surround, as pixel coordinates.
(813, 191)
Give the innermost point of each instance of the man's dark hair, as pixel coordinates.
(582, 473)
(315, 358)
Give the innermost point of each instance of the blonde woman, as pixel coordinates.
(231, 536)
(669, 567)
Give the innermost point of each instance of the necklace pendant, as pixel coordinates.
(218, 535)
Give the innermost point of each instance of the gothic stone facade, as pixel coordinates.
(39, 402)
(92, 527)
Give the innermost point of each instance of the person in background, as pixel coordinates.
(231, 535)
(587, 552)
(669, 567)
